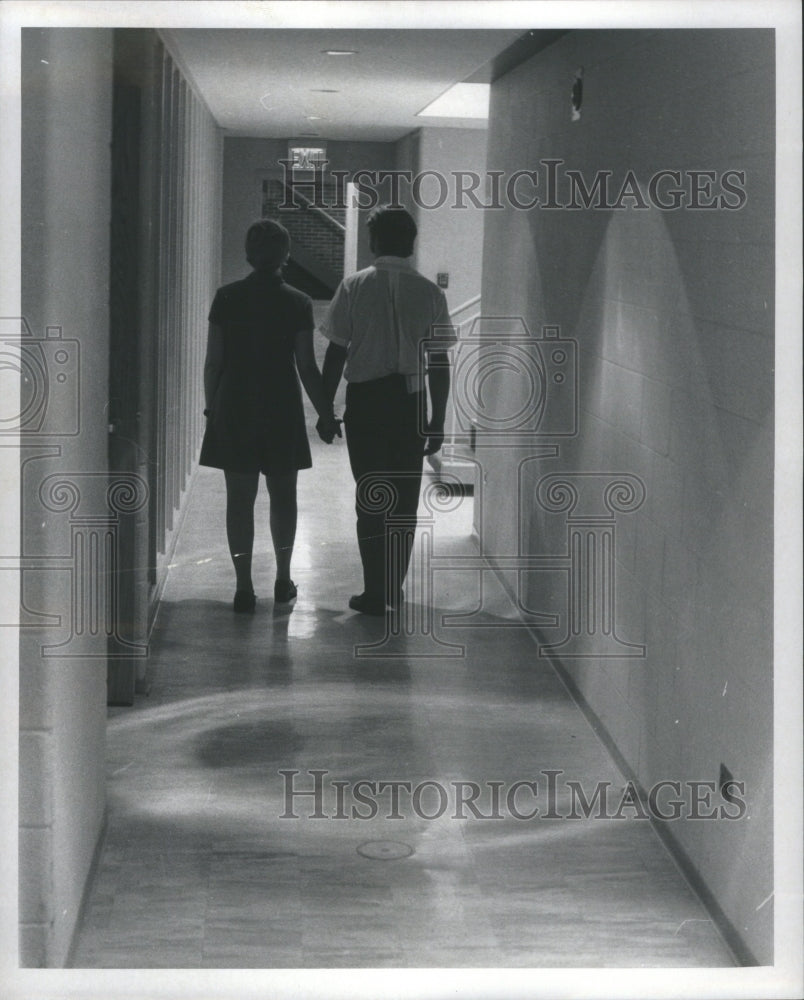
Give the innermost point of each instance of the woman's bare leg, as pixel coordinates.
(282, 491)
(241, 492)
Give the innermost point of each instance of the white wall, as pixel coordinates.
(673, 314)
(66, 85)
(451, 238)
(67, 88)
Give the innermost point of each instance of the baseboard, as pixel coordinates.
(87, 890)
(124, 682)
(740, 951)
(163, 564)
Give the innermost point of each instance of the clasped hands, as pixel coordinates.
(329, 428)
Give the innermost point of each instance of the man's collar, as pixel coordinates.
(387, 260)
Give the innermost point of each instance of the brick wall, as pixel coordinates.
(316, 234)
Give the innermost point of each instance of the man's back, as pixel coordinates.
(381, 314)
(376, 323)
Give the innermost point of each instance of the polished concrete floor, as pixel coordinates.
(202, 867)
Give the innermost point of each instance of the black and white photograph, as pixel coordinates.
(401, 477)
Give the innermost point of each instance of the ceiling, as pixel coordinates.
(267, 82)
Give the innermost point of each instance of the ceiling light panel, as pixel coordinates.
(462, 100)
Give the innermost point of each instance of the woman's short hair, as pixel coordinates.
(267, 244)
(393, 229)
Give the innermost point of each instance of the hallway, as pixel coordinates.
(199, 869)
(310, 788)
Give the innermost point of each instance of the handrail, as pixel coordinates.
(312, 205)
(465, 305)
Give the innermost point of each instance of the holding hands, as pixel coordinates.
(328, 428)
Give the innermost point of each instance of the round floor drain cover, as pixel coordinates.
(385, 850)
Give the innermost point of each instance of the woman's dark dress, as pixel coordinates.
(256, 421)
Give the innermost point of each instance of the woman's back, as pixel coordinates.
(256, 414)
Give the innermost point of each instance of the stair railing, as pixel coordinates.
(311, 205)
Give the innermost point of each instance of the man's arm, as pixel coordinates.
(438, 382)
(438, 377)
(336, 327)
(311, 379)
(334, 360)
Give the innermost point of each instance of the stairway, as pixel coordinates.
(295, 275)
(316, 235)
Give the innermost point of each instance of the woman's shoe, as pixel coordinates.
(245, 601)
(284, 591)
(367, 605)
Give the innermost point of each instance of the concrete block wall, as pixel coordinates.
(67, 103)
(66, 108)
(672, 311)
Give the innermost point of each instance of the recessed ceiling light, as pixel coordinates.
(323, 90)
(462, 100)
(339, 52)
(314, 118)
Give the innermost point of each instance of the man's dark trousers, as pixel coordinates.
(386, 449)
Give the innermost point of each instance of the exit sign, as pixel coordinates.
(442, 279)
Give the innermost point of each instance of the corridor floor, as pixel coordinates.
(201, 865)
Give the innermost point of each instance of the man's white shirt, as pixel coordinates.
(381, 315)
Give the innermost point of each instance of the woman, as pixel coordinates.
(260, 335)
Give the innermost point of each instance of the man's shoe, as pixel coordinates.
(245, 601)
(367, 605)
(284, 591)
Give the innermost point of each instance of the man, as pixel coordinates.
(376, 323)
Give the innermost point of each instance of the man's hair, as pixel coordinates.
(393, 229)
(267, 244)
